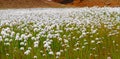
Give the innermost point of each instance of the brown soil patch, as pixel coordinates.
(101, 3)
(90, 3)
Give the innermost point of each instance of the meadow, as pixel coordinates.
(60, 33)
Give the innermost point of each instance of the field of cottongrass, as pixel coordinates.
(79, 33)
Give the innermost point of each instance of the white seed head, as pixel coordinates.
(27, 52)
(51, 53)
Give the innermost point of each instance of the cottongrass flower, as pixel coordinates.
(10, 40)
(61, 50)
(7, 44)
(83, 47)
(58, 53)
(76, 49)
(76, 44)
(95, 55)
(118, 18)
(44, 55)
(1, 38)
(6, 39)
(118, 27)
(96, 38)
(117, 44)
(27, 52)
(17, 37)
(21, 48)
(35, 57)
(86, 43)
(91, 54)
(12, 34)
(7, 54)
(113, 41)
(33, 38)
(92, 41)
(22, 43)
(29, 48)
(98, 42)
(109, 57)
(57, 57)
(94, 48)
(36, 43)
(60, 39)
(51, 53)
(66, 41)
(41, 51)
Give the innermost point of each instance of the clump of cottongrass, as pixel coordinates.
(62, 26)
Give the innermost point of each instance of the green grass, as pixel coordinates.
(103, 50)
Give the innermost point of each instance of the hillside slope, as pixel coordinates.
(28, 4)
(57, 3)
(100, 3)
(90, 3)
